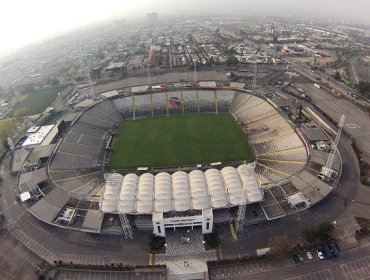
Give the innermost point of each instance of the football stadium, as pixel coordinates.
(185, 155)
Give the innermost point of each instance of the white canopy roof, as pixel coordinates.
(181, 191)
(199, 191)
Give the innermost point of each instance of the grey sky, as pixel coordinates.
(25, 21)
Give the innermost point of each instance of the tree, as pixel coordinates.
(210, 61)
(364, 88)
(280, 245)
(310, 234)
(322, 232)
(337, 76)
(232, 60)
(325, 230)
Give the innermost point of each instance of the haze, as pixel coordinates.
(24, 22)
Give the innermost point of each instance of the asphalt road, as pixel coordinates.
(357, 122)
(9, 206)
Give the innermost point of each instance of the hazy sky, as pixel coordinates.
(26, 21)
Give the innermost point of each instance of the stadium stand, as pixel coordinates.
(143, 105)
(124, 107)
(224, 100)
(190, 101)
(272, 138)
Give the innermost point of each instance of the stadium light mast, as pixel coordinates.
(195, 71)
(89, 67)
(254, 83)
(148, 74)
(126, 227)
(240, 219)
(115, 181)
(330, 159)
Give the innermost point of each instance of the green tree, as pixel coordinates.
(337, 76)
(310, 234)
(232, 60)
(325, 230)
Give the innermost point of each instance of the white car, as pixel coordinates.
(309, 256)
(320, 255)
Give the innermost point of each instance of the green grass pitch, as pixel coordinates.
(179, 140)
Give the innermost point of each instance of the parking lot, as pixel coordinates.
(16, 262)
(33, 246)
(97, 275)
(86, 259)
(262, 227)
(102, 238)
(363, 242)
(324, 274)
(349, 224)
(32, 221)
(357, 270)
(249, 268)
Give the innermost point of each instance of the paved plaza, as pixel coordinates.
(185, 260)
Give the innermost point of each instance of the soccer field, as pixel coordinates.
(179, 140)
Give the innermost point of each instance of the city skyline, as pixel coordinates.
(39, 20)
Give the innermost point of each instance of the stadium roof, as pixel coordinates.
(47, 208)
(180, 191)
(93, 220)
(37, 137)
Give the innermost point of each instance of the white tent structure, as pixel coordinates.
(181, 191)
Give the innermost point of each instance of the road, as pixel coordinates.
(10, 207)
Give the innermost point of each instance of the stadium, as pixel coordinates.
(100, 175)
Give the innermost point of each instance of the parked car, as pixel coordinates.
(327, 252)
(320, 254)
(334, 250)
(309, 256)
(297, 258)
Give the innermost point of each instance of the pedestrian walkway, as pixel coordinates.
(185, 257)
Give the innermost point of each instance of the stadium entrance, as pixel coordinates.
(162, 221)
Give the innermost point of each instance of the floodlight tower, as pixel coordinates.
(240, 219)
(254, 77)
(89, 66)
(115, 181)
(126, 227)
(195, 71)
(148, 75)
(330, 159)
